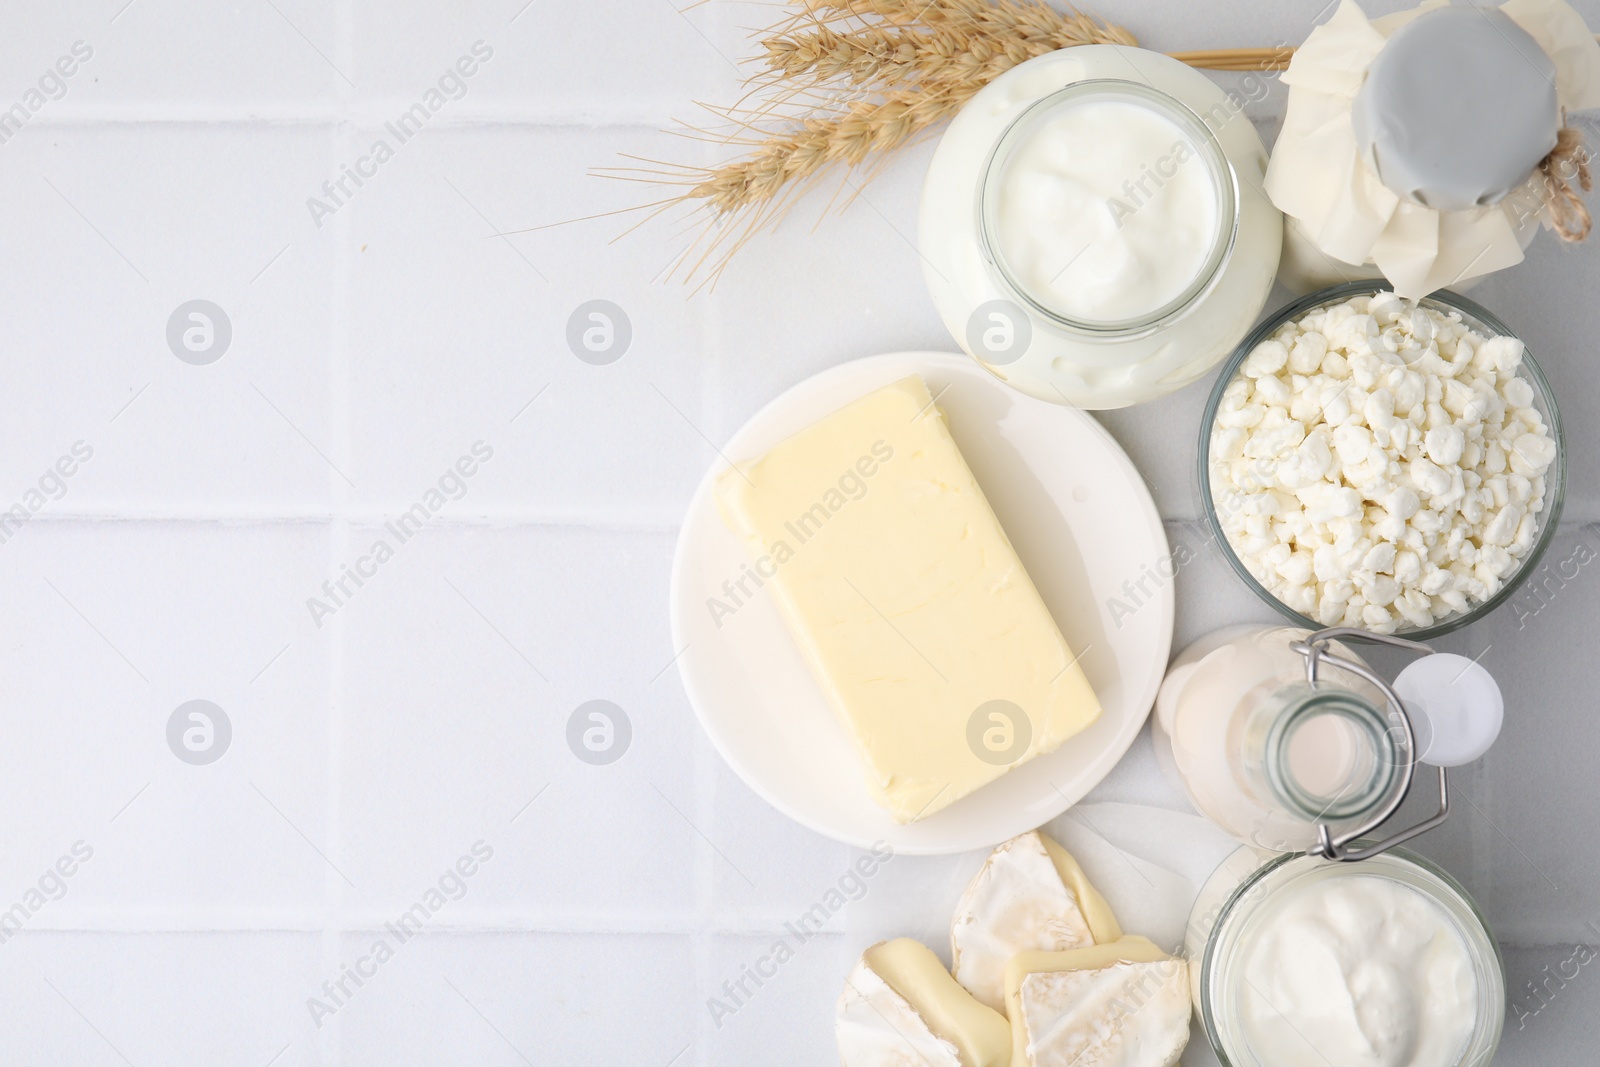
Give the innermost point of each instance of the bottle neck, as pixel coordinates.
(1322, 754)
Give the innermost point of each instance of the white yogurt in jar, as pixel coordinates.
(1360, 971)
(1099, 335)
(1106, 211)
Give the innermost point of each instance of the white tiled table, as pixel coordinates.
(427, 714)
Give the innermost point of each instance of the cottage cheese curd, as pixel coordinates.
(1381, 464)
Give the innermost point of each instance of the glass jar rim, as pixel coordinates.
(1398, 865)
(1224, 181)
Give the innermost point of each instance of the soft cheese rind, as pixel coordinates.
(1125, 1015)
(900, 1006)
(1124, 1004)
(906, 598)
(876, 1027)
(1030, 894)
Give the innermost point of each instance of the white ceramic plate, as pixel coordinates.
(1083, 523)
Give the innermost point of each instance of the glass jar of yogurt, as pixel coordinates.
(1382, 963)
(1093, 227)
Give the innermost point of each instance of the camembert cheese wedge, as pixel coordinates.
(1125, 1004)
(901, 1008)
(1030, 895)
(907, 600)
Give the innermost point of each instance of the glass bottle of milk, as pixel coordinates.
(1270, 756)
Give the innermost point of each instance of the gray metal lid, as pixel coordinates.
(1458, 108)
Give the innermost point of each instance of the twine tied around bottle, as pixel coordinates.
(1567, 163)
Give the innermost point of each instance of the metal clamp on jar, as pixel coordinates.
(1289, 756)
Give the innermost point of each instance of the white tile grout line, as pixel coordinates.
(667, 523)
(504, 920)
(668, 520)
(705, 761)
(703, 937)
(369, 115)
(1480, 835)
(338, 380)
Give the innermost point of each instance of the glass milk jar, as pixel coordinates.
(1290, 742)
(1266, 755)
(1093, 228)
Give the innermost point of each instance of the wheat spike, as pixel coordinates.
(875, 56)
(845, 82)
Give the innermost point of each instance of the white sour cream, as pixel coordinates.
(1358, 971)
(1107, 211)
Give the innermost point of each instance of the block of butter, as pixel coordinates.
(907, 600)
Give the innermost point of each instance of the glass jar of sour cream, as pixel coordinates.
(1106, 204)
(1303, 962)
(1093, 227)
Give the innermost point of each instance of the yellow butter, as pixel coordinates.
(907, 600)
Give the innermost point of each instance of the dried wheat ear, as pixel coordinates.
(840, 85)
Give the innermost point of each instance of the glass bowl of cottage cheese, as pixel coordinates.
(1387, 464)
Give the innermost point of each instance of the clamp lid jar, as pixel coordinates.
(1291, 743)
